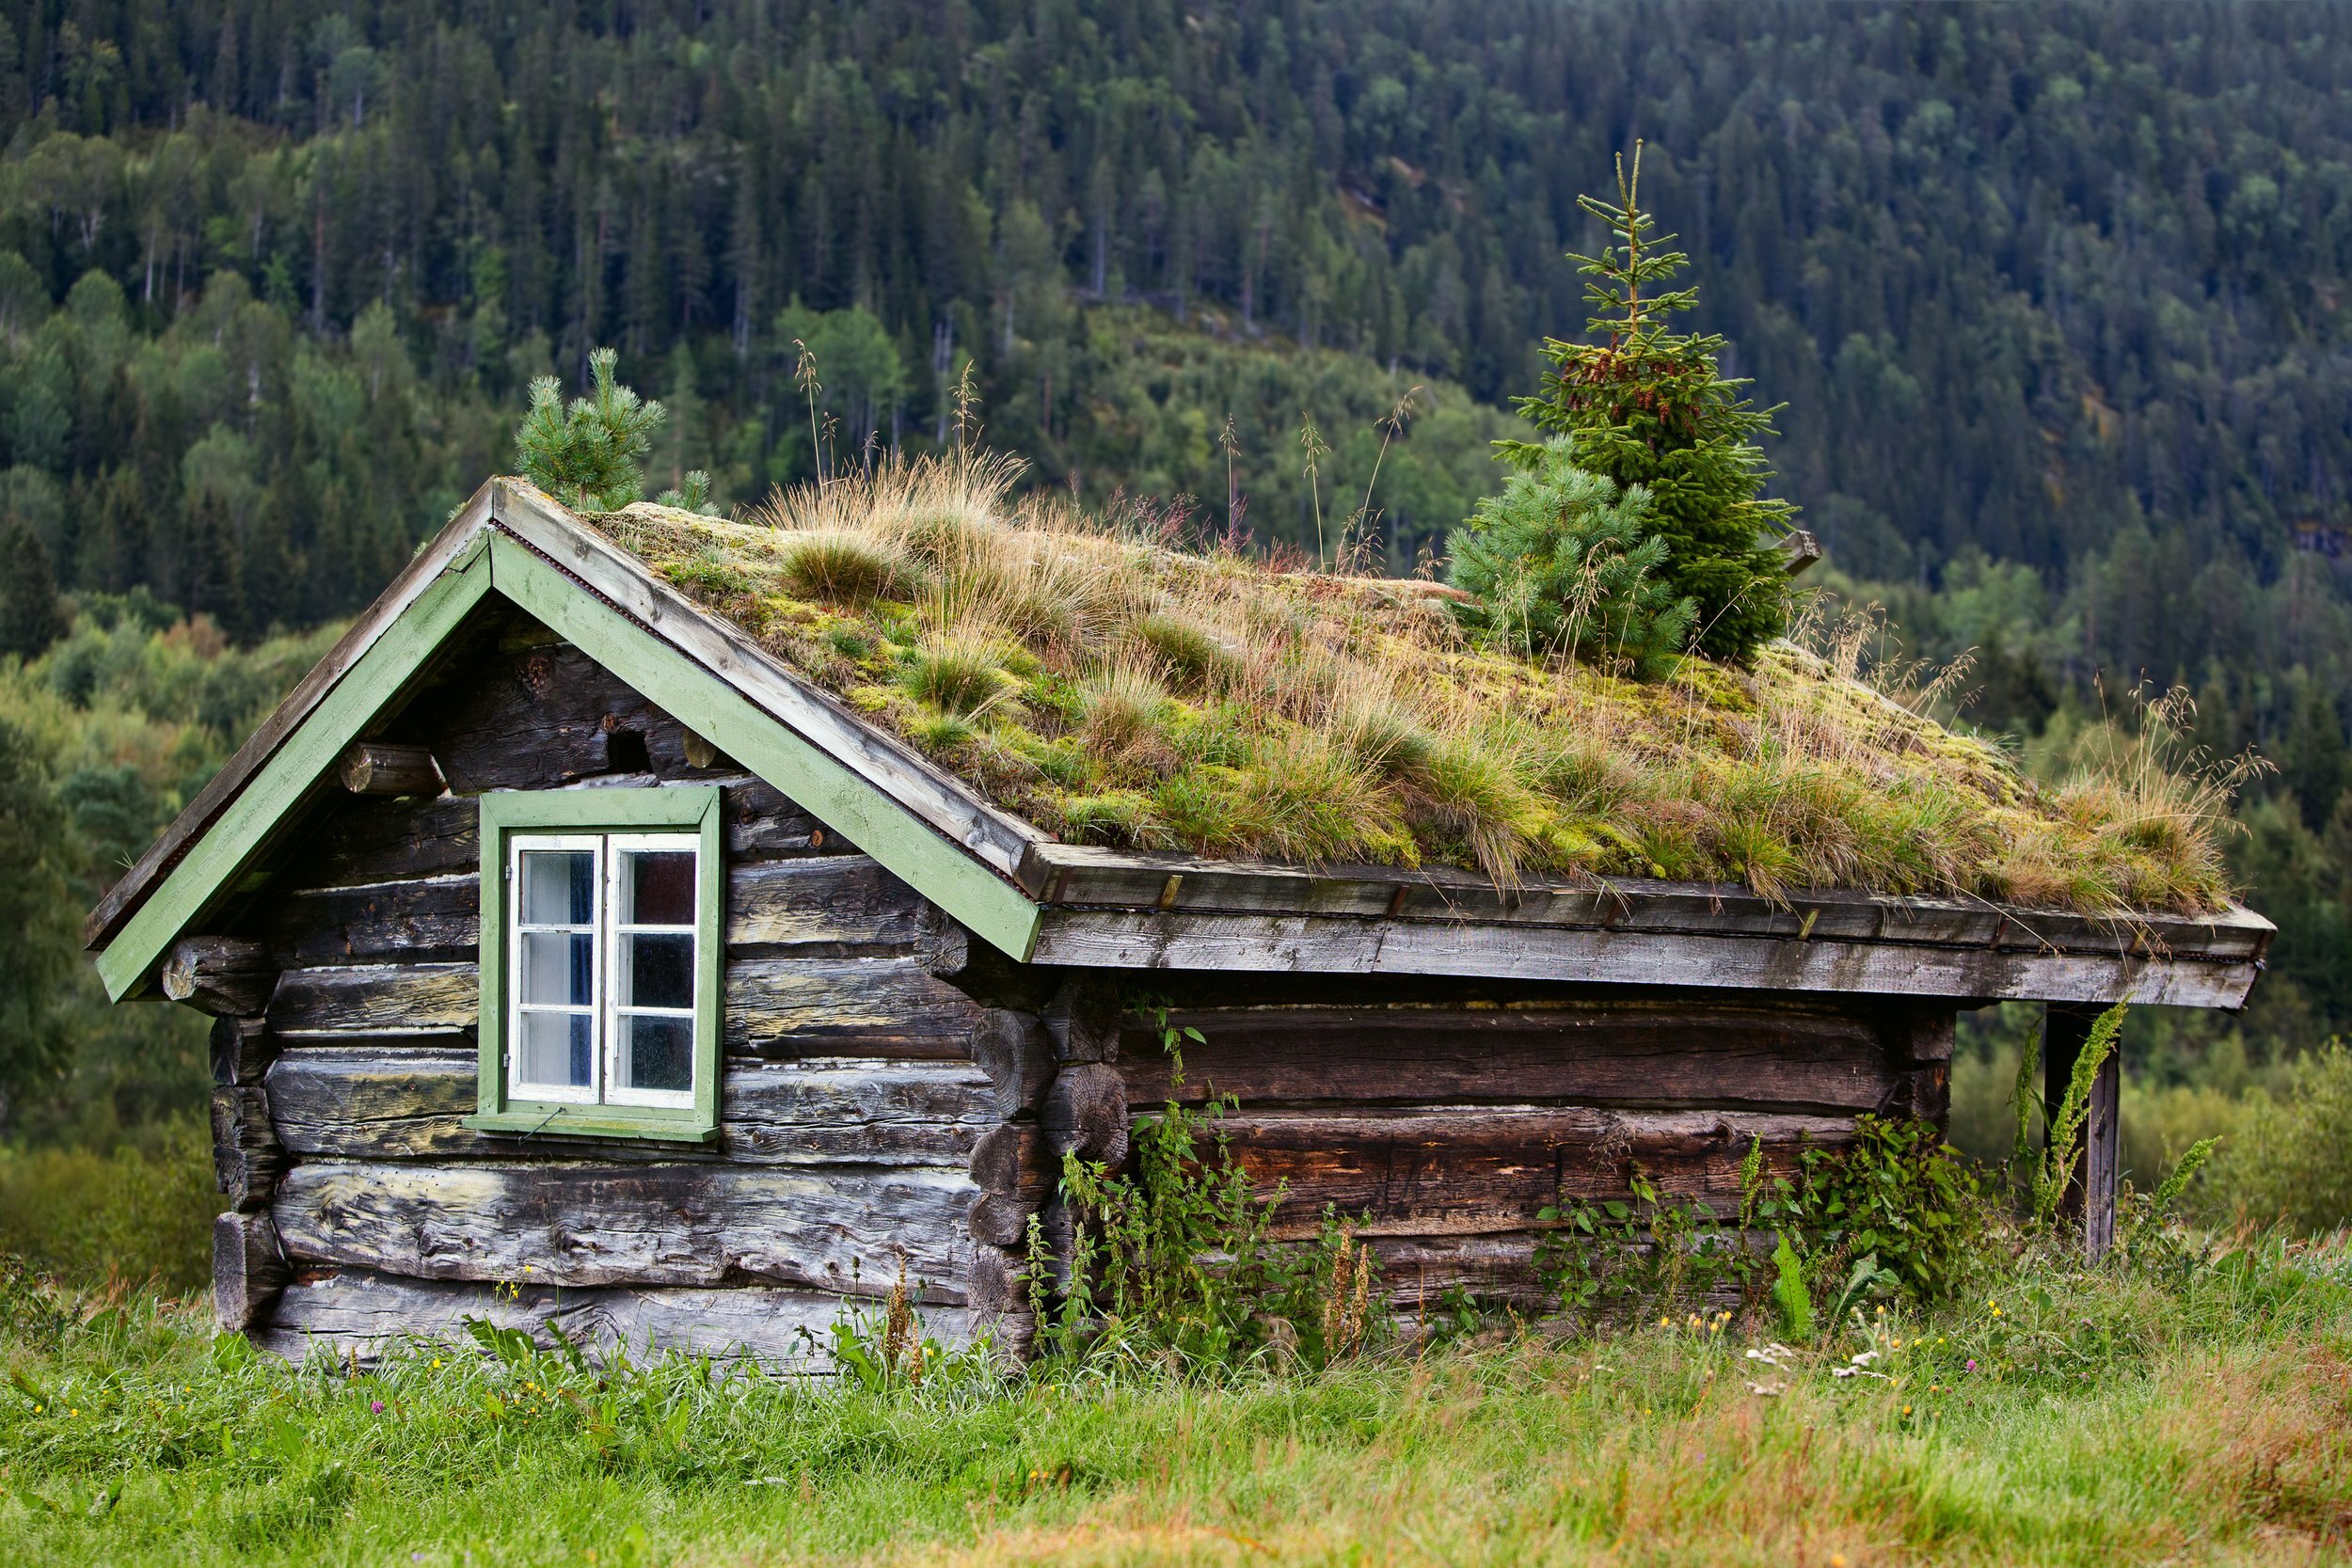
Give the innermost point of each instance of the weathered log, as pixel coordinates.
(1086, 1112)
(242, 1049)
(1015, 1169)
(407, 1103)
(833, 903)
(539, 717)
(376, 840)
(375, 767)
(843, 904)
(824, 1007)
(247, 1159)
(425, 920)
(1084, 1019)
(997, 1283)
(355, 1313)
(581, 1225)
(248, 1270)
(1594, 1054)
(383, 1001)
(1466, 1170)
(1017, 1055)
(225, 977)
(845, 1007)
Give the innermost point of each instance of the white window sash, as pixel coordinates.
(618, 845)
(517, 1087)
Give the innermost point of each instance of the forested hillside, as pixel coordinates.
(2056, 297)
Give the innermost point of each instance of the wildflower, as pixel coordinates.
(1906, 1409)
(1971, 1364)
(375, 1407)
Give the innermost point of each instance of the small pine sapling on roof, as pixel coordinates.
(1650, 407)
(588, 455)
(1564, 561)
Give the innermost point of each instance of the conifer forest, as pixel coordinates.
(2057, 303)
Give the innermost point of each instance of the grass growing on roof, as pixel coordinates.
(1116, 690)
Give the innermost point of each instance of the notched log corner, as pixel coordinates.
(1014, 1051)
(247, 1159)
(248, 1270)
(225, 977)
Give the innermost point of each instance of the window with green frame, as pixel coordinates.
(601, 963)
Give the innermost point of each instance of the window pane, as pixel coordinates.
(657, 887)
(657, 972)
(556, 1048)
(558, 968)
(656, 1054)
(558, 887)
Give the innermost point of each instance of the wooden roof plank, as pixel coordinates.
(1324, 944)
(719, 710)
(305, 754)
(1081, 877)
(443, 551)
(939, 798)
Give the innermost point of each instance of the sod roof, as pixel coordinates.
(1081, 673)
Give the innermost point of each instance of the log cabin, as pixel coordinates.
(579, 957)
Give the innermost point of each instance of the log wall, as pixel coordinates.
(853, 1105)
(893, 1096)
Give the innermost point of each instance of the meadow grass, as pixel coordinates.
(1087, 672)
(2177, 1412)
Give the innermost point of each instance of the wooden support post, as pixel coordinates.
(225, 977)
(248, 1270)
(372, 768)
(2090, 1192)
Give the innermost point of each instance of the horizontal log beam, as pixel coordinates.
(380, 1103)
(1593, 1053)
(353, 1312)
(584, 1225)
(1081, 878)
(1475, 1170)
(774, 1007)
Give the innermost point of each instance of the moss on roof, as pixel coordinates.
(1114, 690)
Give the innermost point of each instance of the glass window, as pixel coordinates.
(603, 939)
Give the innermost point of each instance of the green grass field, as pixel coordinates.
(2174, 1413)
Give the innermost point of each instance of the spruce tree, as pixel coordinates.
(1648, 405)
(1564, 561)
(30, 616)
(590, 455)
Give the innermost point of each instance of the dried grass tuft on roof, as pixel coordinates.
(1114, 690)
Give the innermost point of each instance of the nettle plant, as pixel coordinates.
(1176, 1264)
(1895, 1213)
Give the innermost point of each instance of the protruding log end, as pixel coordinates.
(248, 1270)
(225, 977)
(372, 768)
(1086, 1112)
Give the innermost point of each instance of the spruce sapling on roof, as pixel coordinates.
(1650, 407)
